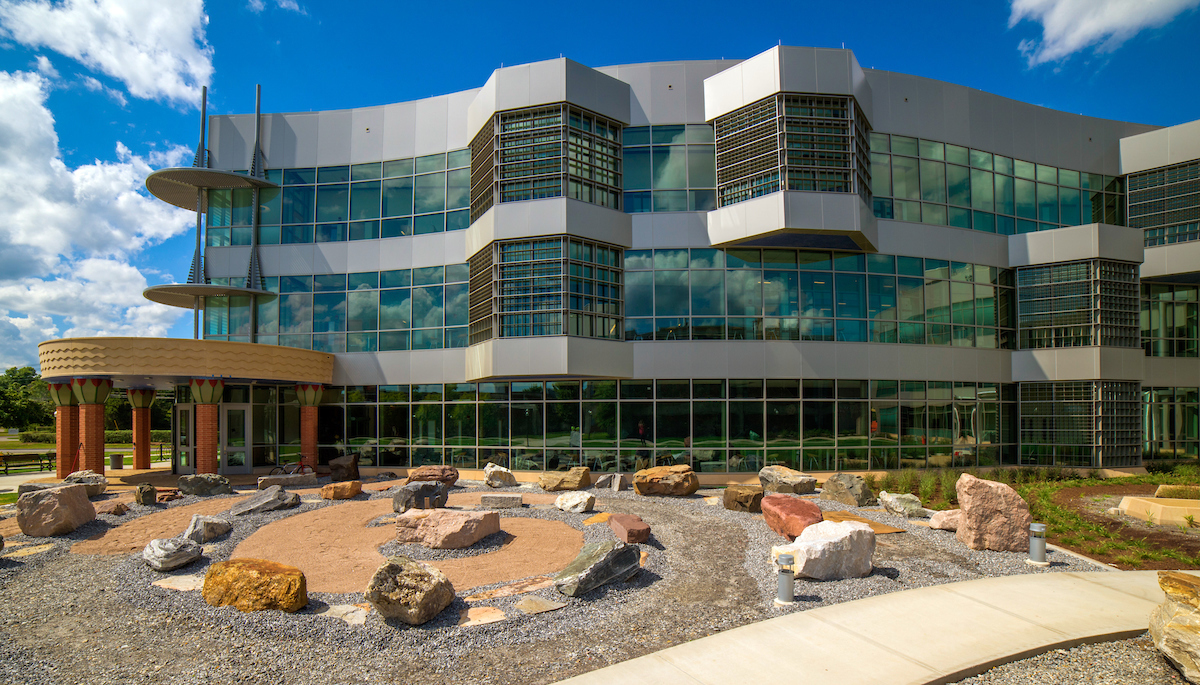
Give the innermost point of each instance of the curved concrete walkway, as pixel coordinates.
(931, 635)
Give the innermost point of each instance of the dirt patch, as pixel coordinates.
(133, 536)
(338, 553)
(1092, 503)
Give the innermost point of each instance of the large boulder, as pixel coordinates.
(781, 479)
(629, 528)
(420, 495)
(442, 474)
(203, 529)
(344, 468)
(904, 504)
(288, 480)
(743, 498)
(577, 478)
(678, 480)
(342, 490)
(598, 563)
(788, 515)
(255, 585)
(145, 495)
(34, 487)
(95, 483)
(271, 499)
(611, 481)
(1175, 624)
(112, 507)
(409, 590)
(946, 520)
(575, 502)
(848, 489)
(446, 528)
(204, 485)
(832, 550)
(994, 516)
(56, 511)
(496, 476)
(501, 500)
(170, 553)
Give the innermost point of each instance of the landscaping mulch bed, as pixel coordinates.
(1092, 502)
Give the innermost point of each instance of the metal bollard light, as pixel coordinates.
(787, 580)
(1037, 545)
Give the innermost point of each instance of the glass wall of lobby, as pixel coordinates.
(715, 425)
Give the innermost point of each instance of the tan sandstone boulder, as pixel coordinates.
(746, 498)
(678, 480)
(255, 585)
(409, 590)
(946, 520)
(343, 490)
(993, 516)
(442, 474)
(1175, 624)
(56, 511)
(577, 478)
(445, 528)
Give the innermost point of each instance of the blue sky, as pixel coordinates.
(97, 93)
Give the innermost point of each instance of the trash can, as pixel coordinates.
(116, 461)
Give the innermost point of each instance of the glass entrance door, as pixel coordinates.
(235, 439)
(184, 441)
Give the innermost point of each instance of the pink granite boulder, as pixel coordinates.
(946, 520)
(788, 515)
(445, 528)
(56, 511)
(994, 516)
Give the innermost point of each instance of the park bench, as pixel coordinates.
(43, 461)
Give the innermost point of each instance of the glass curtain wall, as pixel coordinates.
(1165, 203)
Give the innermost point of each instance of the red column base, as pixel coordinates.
(91, 437)
(141, 437)
(66, 442)
(308, 437)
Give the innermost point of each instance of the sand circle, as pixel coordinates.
(339, 553)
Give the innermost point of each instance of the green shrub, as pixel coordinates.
(906, 482)
(949, 479)
(110, 437)
(1180, 492)
(927, 486)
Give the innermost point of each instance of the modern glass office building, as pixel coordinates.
(782, 260)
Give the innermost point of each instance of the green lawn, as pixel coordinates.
(8, 497)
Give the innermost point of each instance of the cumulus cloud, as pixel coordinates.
(45, 67)
(1071, 26)
(68, 236)
(156, 49)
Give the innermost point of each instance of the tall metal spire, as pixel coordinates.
(196, 275)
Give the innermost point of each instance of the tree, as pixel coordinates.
(24, 399)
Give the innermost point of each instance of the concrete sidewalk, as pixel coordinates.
(930, 635)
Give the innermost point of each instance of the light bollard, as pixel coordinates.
(787, 580)
(1037, 545)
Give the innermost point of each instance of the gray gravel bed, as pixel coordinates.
(1123, 662)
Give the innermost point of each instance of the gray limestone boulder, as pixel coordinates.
(409, 590)
(288, 480)
(95, 483)
(204, 485)
(429, 494)
(271, 499)
(611, 481)
(205, 528)
(496, 476)
(782, 480)
(145, 495)
(599, 563)
(169, 554)
(906, 505)
(344, 468)
(575, 502)
(848, 489)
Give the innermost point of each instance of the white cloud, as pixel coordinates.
(257, 6)
(156, 48)
(68, 236)
(96, 87)
(1070, 26)
(45, 67)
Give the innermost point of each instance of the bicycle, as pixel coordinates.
(297, 468)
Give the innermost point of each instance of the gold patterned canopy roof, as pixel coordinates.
(167, 362)
(185, 294)
(181, 186)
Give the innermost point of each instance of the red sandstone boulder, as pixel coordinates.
(677, 480)
(788, 515)
(442, 474)
(993, 516)
(629, 528)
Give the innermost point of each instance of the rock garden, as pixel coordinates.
(434, 578)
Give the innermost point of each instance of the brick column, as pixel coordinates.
(91, 437)
(66, 439)
(91, 393)
(141, 399)
(207, 438)
(308, 436)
